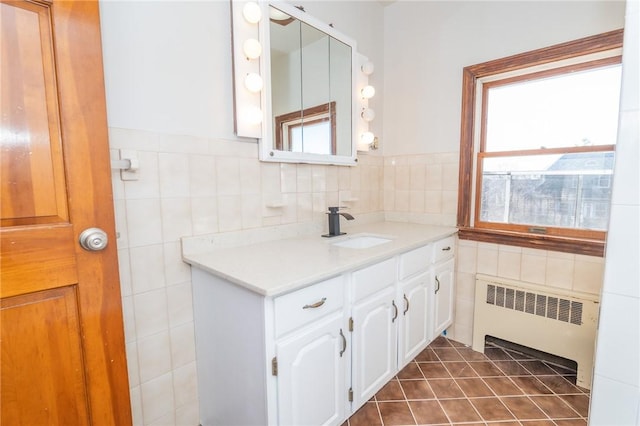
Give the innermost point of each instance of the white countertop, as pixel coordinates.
(271, 268)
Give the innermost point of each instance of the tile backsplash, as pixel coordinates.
(195, 186)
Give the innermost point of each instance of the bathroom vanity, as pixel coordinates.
(305, 330)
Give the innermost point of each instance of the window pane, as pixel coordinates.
(567, 190)
(314, 138)
(573, 109)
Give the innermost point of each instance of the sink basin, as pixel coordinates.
(361, 241)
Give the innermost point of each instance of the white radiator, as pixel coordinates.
(551, 320)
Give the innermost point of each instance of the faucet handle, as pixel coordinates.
(336, 209)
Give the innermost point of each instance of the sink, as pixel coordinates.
(361, 241)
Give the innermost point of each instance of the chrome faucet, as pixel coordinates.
(334, 221)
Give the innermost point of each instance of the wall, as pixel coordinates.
(169, 97)
(616, 385)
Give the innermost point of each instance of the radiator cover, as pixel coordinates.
(559, 322)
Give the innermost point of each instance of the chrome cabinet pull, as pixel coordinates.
(447, 248)
(396, 311)
(344, 343)
(437, 285)
(315, 305)
(406, 301)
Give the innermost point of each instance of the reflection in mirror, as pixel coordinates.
(311, 88)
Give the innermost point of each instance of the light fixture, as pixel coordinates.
(367, 68)
(253, 115)
(253, 82)
(367, 138)
(368, 92)
(252, 48)
(252, 12)
(368, 114)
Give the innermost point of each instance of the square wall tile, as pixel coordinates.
(151, 313)
(533, 268)
(180, 304)
(204, 215)
(250, 176)
(588, 275)
(251, 211)
(185, 384)
(128, 314)
(288, 177)
(183, 344)
(147, 268)
(135, 395)
(188, 414)
(613, 403)
(132, 363)
(227, 176)
(173, 171)
(559, 271)
(148, 183)
(229, 213)
(122, 233)
(144, 222)
(157, 398)
(202, 176)
(487, 259)
(303, 178)
(124, 270)
(270, 178)
(176, 270)
(154, 356)
(176, 218)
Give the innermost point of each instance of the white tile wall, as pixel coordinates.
(616, 394)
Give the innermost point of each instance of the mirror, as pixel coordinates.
(310, 103)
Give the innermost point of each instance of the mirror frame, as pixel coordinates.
(267, 143)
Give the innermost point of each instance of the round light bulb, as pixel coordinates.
(368, 114)
(368, 92)
(367, 138)
(278, 15)
(367, 68)
(253, 115)
(252, 12)
(252, 48)
(253, 82)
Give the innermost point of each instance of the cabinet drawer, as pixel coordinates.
(372, 279)
(444, 248)
(301, 307)
(415, 261)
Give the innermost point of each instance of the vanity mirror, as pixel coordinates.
(309, 99)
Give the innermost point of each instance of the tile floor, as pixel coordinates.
(449, 383)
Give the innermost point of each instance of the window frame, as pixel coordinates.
(472, 127)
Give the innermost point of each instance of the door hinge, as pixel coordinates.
(274, 366)
(351, 324)
(350, 394)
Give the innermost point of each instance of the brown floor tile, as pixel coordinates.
(428, 412)
(390, 392)
(502, 386)
(571, 422)
(530, 385)
(474, 388)
(459, 369)
(491, 409)
(497, 354)
(580, 403)
(523, 408)
(558, 384)
(512, 368)
(457, 344)
(396, 413)
(434, 370)
(411, 371)
(460, 410)
(537, 367)
(427, 355)
(555, 407)
(368, 415)
(537, 423)
(448, 354)
(440, 342)
(471, 355)
(445, 388)
(417, 389)
(486, 369)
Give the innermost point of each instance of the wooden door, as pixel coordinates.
(62, 341)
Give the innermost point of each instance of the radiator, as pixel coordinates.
(562, 323)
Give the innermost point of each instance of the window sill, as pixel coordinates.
(542, 242)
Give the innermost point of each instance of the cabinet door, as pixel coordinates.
(311, 374)
(374, 344)
(443, 295)
(415, 324)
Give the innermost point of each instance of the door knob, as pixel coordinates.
(93, 239)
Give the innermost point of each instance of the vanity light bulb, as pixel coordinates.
(368, 92)
(253, 115)
(368, 114)
(367, 68)
(252, 12)
(367, 138)
(253, 82)
(252, 48)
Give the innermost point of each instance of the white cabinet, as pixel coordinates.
(311, 374)
(443, 285)
(415, 322)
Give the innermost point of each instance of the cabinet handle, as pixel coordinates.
(396, 311)
(315, 305)
(437, 285)
(447, 248)
(406, 301)
(344, 343)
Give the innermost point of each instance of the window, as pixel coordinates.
(537, 146)
(312, 130)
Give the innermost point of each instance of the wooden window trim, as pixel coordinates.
(307, 115)
(470, 76)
